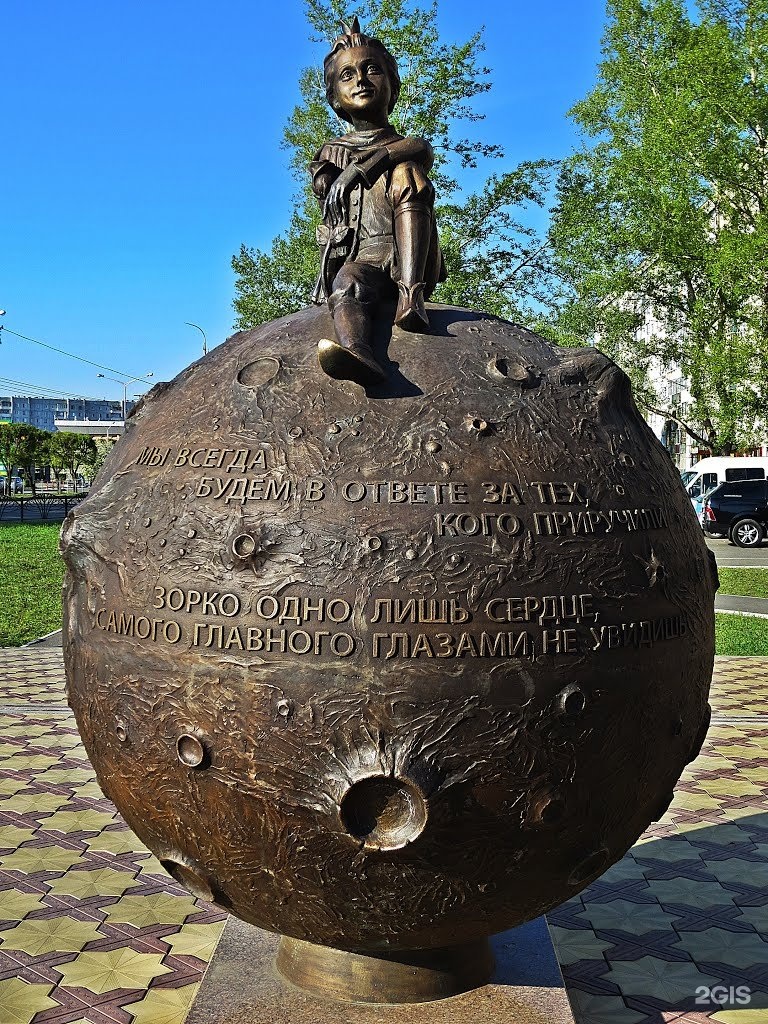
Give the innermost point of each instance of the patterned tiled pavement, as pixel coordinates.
(678, 929)
(91, 927)
(93, 930)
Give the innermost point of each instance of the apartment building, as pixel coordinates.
(56, 413)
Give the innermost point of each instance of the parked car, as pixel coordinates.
(17, 485)
(738, 511)
(709, 472)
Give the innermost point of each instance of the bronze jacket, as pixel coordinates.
(366, 233)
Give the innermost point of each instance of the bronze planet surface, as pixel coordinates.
(393, 669)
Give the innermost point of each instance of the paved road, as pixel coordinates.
(744, 605)
(729, 554)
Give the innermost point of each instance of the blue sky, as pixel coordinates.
(141, 146)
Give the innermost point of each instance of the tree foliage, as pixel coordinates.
(104, 446)
(56, 460)
(494, 258)
(661, 226)
(73, 452)
(22, 446)
(27, 447)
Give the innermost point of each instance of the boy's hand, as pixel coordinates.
(335, 209)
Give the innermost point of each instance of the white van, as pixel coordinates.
(708, 473)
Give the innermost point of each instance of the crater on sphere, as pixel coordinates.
(259, 372)
(384, 813)
(192, 878)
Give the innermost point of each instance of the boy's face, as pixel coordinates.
(361, 85)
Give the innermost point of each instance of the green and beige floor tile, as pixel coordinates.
(163, 1005)
(21, 1001)
(92, 930)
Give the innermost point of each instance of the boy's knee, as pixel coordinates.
(345, 281)
(351, 282)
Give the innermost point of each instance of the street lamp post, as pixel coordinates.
(205, 340)
(124, 385)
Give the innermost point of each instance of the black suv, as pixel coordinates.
(738, 510)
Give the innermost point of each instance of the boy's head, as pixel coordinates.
(354, 39)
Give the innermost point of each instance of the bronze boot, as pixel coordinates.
(349, 356)
(413, 232)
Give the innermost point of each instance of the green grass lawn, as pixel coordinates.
(31, 571)
(752, 582)
(741, 634)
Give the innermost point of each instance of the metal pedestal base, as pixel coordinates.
(411, 976)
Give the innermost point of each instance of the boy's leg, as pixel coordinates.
(356, 288)
(412, 197)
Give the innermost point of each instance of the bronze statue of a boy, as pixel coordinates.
(378, 236)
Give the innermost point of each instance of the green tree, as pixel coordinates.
(56, 460)
(494, 259)
(660, 231)
(74, 452)
(104, 446)
(22, 446)
(8, 451)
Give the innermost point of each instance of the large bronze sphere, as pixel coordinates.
(392, 670)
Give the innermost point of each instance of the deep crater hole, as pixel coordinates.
(383, 812)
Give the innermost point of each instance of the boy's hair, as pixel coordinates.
(352, 36)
